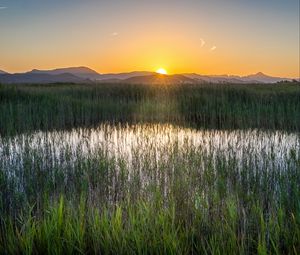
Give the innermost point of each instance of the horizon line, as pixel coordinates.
(191, 72)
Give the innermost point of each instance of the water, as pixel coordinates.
(138, 142)
(113, 162)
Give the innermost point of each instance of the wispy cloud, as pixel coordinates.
(114, 34)
(213, 48)
(202, 42)
(3, 7)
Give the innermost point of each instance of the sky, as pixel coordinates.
(235, 37)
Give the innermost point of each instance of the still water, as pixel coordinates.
(153, 142)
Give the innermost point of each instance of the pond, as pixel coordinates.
(111, 161)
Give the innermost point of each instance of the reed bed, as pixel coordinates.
(150, 189)
(216, 106)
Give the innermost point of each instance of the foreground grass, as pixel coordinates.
(164, 195)
(64, 106)
(151, 228)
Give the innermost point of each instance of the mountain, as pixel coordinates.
(82, 72)
(254, 78)
(41, 78)
(214, 78)
(261, 77)
(86, 75)
(159, 79)
(123, 76)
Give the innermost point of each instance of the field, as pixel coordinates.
(136, 169)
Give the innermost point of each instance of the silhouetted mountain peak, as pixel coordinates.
(259, 74)
(73, 70)
(41, 78)
(81, 71)
(123, 76)
(264, 78)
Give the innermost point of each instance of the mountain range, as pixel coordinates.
(87, 75)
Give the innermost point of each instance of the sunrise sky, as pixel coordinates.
(207, 37)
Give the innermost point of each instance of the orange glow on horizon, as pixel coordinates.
(204, 37)
(157, 48)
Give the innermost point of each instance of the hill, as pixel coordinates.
(40, 78)
(84, 74)
(81, 72)
(263, 78)
(253, 78)
(123, 76)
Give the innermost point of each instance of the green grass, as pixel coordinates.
(149, 228)
(150, 189)
(34, 107)
(162, 197)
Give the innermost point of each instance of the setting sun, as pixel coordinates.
(161, 71)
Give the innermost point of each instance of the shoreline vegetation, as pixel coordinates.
(213, 106)
(128, 169)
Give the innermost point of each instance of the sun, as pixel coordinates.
(161, 71)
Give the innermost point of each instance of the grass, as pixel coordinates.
(150, 229)
(223, 179)
(47, 107)
(150, 189)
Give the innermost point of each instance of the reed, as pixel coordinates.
(224, 106)
(150, 189)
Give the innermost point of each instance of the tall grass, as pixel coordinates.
(150, 189)
(35, 107)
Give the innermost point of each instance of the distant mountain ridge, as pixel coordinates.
(86, 75)
(123, 76)
(253, 78)
(263, 78)
(81, 72)
(41, 78)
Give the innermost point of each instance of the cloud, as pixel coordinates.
(3, 7)
(213, 48)
(202, 42)
(114, 34)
